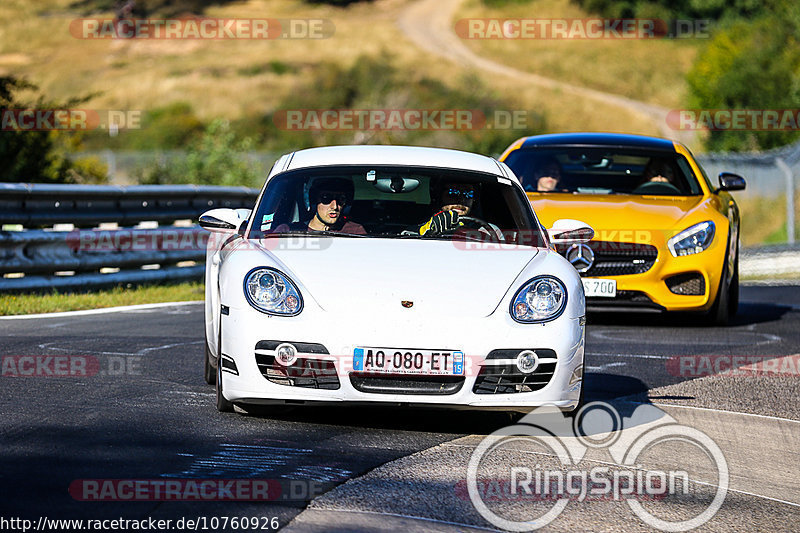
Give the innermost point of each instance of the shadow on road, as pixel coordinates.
(749, 313)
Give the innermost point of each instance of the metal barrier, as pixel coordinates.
(96, 249)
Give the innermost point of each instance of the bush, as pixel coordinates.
(216, 158)
(375, 83)
(38, 156)
(749, 65)
(163, 128)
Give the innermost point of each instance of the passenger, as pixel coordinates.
(547, 175)
(328, 197)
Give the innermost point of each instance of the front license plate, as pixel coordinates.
(600, 287)
(404, 361)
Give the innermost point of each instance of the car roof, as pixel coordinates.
(391, 155)
(618, 140)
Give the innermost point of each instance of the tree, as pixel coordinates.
(750, 65)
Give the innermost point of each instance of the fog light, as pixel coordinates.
(286, 354)
(527, 361)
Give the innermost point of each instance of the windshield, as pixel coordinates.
(396, 202)
(603, 171)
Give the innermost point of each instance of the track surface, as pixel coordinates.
(155, 419)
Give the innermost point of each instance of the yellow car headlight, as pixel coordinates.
(692, 240)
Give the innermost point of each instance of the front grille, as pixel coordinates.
(618, 258)
(405, 384)
(690, 284)
(631, 297)
(305, 373)
(507, 379)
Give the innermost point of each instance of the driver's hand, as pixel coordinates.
(441, 222)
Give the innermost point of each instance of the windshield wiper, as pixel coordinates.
(311, 234)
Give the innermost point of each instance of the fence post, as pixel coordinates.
(787, 172)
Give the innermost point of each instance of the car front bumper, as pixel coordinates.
(245, 382)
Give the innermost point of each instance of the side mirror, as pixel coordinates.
(568, 231)
(729, 181)
(223, 220)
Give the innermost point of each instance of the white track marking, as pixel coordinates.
(143, 351)
(102, 311)
(397, 515)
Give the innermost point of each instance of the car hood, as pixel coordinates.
(372, 275)
(614, 217)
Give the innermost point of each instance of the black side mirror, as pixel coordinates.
(731, 182)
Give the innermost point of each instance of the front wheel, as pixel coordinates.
(223, 405)
(209, 372)
(733, 290)
(720, 312)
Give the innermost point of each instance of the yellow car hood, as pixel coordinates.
(618, 217)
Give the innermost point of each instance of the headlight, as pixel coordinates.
(539, 300)
(271, 291)
(692, 240)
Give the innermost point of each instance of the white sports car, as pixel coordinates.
(395, 275)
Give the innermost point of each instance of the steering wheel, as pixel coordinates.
(480, 224)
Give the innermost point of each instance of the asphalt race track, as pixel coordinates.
(143, 412)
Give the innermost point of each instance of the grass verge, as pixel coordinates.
(24, 304)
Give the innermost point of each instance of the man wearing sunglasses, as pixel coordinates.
(457, 200)
(328, 198)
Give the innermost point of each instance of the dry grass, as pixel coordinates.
(764, 219)
(218, 79)
(649, 70)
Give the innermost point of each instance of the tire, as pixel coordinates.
(209, 372)
(223, 405)
(719, 314)
(733, 290)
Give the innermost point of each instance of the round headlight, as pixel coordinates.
(271, 291)
(539, 300)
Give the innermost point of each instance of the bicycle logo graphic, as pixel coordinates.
(648, 432)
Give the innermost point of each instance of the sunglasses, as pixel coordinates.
(453, 192)
(328, 197)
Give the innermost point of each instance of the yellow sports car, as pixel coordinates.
(666, 238)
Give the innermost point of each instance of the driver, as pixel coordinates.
(328, 197)
(457, 200)
(658, 170)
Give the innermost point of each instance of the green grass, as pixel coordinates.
(23, 304)
(764, 219)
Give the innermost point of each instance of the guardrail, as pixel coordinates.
(94, 242)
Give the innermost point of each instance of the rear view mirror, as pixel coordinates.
(396, 184)
(223, 220)
(729, 181)
(568, 231)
